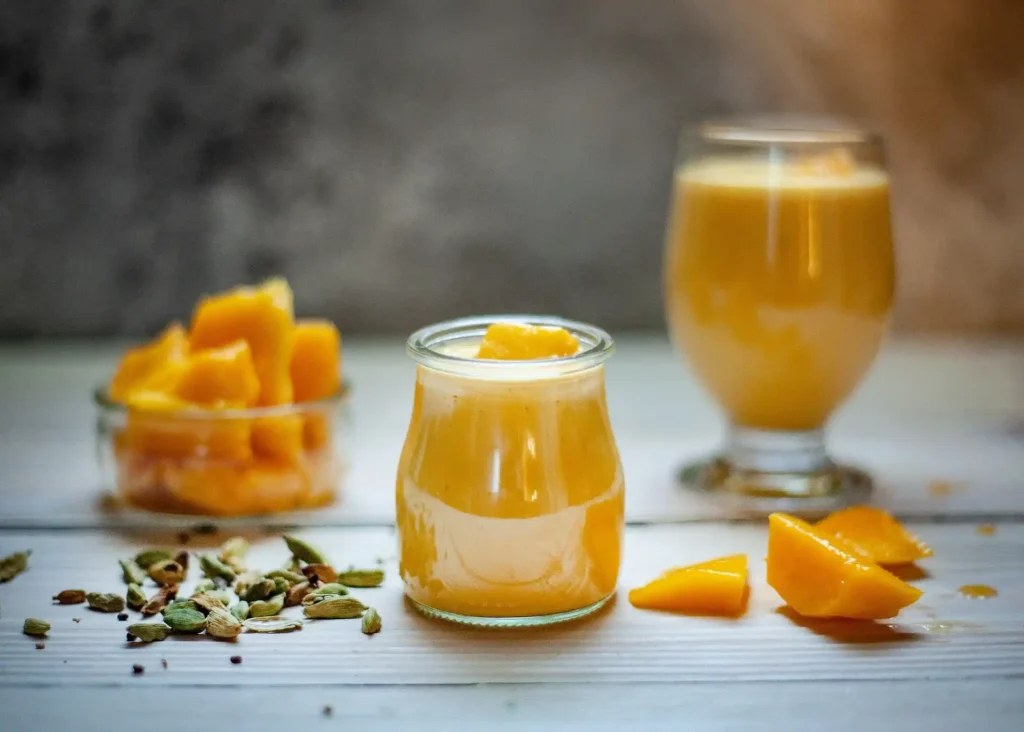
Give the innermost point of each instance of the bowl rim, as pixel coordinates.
(104, 403)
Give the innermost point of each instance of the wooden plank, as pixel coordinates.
(715, 707)
(945, 636)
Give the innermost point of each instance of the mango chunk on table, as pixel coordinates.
(717, 587)
(820, 578)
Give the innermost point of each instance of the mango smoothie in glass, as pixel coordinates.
(509, 489)
(779, 281)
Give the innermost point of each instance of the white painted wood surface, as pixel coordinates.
(950, 411)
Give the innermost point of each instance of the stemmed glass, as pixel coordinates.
(779, 280)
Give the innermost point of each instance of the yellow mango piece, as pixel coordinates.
(820, 578)
(717, 587)
(220, 378)
(139, 364)
(238, 490)
(153, 429)
(522, 342)
(881, 538)
(261, 316)
(278, 438)
(316, 359)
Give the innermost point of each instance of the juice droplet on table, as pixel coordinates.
(978, 591)
(986, 529)
(943, 488)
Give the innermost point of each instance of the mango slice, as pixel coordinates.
(881, 538)
(278, 438)
(316, 358)
(261, 316)
(140, 364)
(223, 378)
(819, 578)
(522, 342)
(717, 587)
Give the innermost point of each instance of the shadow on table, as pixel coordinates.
(854, 632)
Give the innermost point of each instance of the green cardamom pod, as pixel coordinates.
(204, 585)
(35, 626)
(264, 608)
(334, 607)
(207, 603)
(165, 573)
(149, 632)
(361, 577)
(236, 547)
(135, 597)
(246, 580)
(131, 572)
(222, 624)
(240, 610)
(69, 597)
(180, 605)
(213, 568)
(273, 624)
(13, 565)
(151, 556)
(259, 591)
(105, 602)
(304, 552)
(320, 573)
(223, 595)
(371, 621)
(182, 558)
(160, 600)
(292, 565)
(280, 585)
(185, 620)
(331, 590)
(292, 577)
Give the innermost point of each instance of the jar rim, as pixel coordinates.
(786, 129)
(422, 346)
(101, 398)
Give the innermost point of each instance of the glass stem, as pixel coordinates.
(765, 451)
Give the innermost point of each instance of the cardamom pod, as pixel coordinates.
(333, 607)
(204, 585)
(293, 578)
(332, 590)
(105, 602)
(213, 568)
(131, 573)
(207, 603)
(149, 557)
(240, 610)
(135, 597)
(273, 624)
(259, 591)
(222, 624)
(371, 621)
(280, 585)
(322, 572)
(149, 632)
(188, 604)
(246, 580)
(296, 593)
(236, 547)
(292, 565)
(361, 577)
(223, 595)
(13, 565)
(264, 608)
(35, 626)
(185, 620)
(168, 572)
(159, 601)
(182, 558)
(70, 597)
(304, 552)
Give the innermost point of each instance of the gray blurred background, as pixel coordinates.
(404, 161)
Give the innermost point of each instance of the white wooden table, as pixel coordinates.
(951, 411)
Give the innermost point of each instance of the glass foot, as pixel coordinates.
(529, 621)
(756, 492)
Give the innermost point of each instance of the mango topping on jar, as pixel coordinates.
(185, 447)
(522, 342)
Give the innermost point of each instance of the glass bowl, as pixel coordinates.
(224, 463)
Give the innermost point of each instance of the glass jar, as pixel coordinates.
(510, 494)
(221, 463)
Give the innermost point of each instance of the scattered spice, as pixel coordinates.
(222, 624)
(40, 646)
(273, 624)
(297, 593)
(76, 620)
(371, 622)
(148, 632)
(135, 597)
(334, 607)
(122, 616)
(259, 590)
(240, 610)
(182, 558)
(13, 565)
(207, 603)
(131, 573)
(138, 669)
(304, 552)
(105, 602)
(160, 600)
(236, 660)
(163, 661)
(167, 572)
(148, 557)
(328, 711)
(213, 568)
(268, 607)
(185, 620)
(362, 577)
(35, 626)
(70, 597)
(320, 573)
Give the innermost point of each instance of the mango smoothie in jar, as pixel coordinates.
(509, 489)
